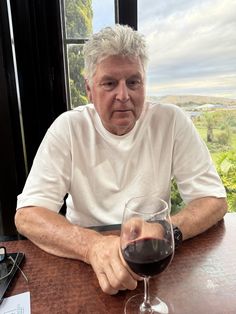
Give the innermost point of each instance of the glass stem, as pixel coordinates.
(145, 307)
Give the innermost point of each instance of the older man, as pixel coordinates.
(108, 151)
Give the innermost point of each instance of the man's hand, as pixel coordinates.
(111, 270)
(137, 228)
(56, 235)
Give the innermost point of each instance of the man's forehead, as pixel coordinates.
(119, 66)
(115, 75)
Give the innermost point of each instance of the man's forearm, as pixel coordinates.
(54, 234)
(199, 215)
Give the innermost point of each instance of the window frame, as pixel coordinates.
(125, 13)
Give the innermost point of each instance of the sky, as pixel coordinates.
(191, 44)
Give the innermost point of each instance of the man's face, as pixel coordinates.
(118, 93)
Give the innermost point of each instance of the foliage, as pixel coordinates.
(218, 121)
(223, 138)
(223, 151)
(76, 66)
(226, 167)
(176, 200)
(79, 16)
(210, 120)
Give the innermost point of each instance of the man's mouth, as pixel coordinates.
(122, 110)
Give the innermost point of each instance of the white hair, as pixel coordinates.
(112, 41)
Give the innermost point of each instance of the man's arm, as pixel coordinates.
(199, 215)
(56, 235)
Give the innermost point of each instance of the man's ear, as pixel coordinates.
(88, 91)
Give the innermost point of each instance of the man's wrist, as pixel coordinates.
(178, 236)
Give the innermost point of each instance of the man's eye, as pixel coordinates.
(133, 84)
(108, 85)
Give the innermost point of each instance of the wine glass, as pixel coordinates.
(147, 246)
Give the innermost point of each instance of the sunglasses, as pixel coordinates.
(7, 264)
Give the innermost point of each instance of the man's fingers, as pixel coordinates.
(113, 275)
(105, 285)
(123, 275)
(134, 276)
(114, 280)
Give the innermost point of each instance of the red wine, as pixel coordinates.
(148, 256)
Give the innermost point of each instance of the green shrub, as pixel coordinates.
(176, 200)
(226, 167)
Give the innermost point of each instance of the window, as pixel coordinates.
(80, 19)
(192, 64)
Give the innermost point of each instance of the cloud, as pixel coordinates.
(192, 46)
(221, 86)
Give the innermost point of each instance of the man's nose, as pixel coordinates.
(122, 92)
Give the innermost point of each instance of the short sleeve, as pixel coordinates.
(49, 178)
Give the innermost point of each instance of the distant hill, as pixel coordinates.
(193, 100)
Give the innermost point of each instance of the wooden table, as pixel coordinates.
(200, 280)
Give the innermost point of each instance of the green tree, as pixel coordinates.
(227, 120)
(76, 66)
(176, 200)
(209, 119)
(79, 16)
(226, 167)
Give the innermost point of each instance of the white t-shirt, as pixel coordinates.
(101, 171)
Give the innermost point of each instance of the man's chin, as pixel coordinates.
(123, 128)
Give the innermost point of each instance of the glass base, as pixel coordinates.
(134, 306)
